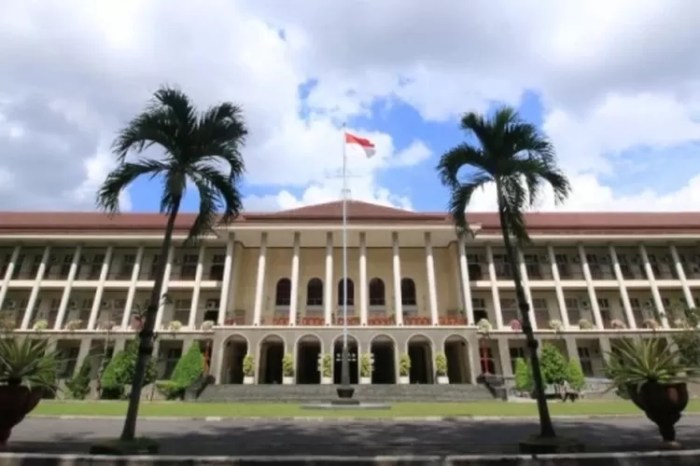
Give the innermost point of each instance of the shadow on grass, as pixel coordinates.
(364, 438)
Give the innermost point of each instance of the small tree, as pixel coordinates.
(575, 376)
(249, 365)
(441, 364)
(288, 365)
(405, 365)
(79, 385)
(120, 372)
(523, 376)
(327, 365)
(187, 370)
(554, 367)
(688, 341)
(365, 365)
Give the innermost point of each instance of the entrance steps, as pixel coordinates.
(369, 393)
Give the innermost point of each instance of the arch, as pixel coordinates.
(408, 292)
(283, 292)
(351, 292)
(420, 351)
(308, 348)
(271, 350)
(235, 348)
(383, 348)
(353, 349)
(314, 292)
(377, 293)
(457, 353)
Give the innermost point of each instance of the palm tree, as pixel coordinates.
(201, 148)
(515, 156)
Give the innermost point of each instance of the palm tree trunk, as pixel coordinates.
(546, 427)
(146, 334)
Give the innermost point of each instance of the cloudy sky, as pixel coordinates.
(616, 85)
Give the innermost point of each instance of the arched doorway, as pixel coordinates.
(270, 366)
(308, 351)
(383, 349)
(337, 352)
(421, 354)
(235, 349)
(457, 353)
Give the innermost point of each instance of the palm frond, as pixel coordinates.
(459, 200)
(206, 215)
(512, 201)
(177, 105)
(227, 194)
(154, 126)
(482, 128)
(121, 177)
(174, 187)
(27, 362)
(457, 158)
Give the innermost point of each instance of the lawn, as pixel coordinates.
(242, 410)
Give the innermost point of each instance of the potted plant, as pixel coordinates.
(651, 324)
(248, 369)
(27, 371)
(556, 325)
(207, 325)
(8, 324)
(441, 369)
(515, 325)
(404, 369)
(288, 369)
(617, 324)
(174, 325)
(484, 326)
(41, 324)
(651, 374)
(585, 324)
(326, 369)
(73, 325)
(365, 369)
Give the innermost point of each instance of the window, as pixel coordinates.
(479, 306)
(408, 292)
(573, 310)
(283, 292)
(351, 292)
(584, 356)
(314, 292)
(376, 292)
(509, 310)
(517, 352)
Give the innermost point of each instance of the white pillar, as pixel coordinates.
(8, 275)
(131, 294)
(294, 298)
(396, 260)
(654, 287)
(65, 297)
(363, 279)
(592, 296)
(235, 273)
(192, 321)
(164, 291)
(466, 284)
(328, 284)
(564, 312)
(623, 289)
(679, 271)
(34, 294)
(97, 302)
(432, 291)
(260, 280)
(495, 295)
(226, 281)
(526, 285)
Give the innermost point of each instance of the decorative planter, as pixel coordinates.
(366, 380)
(15, 402)
(443, 380)
(288, 380)
(248, 380)
(662, 404)
(326, 380)
(404, 380)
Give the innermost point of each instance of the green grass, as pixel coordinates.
(241, 410)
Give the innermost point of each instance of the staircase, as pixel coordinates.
(370, 393)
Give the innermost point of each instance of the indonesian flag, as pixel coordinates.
(365, 144)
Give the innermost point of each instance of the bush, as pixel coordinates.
(554, 366)
(523, 376)
(441, 364)
(404, 365)
(120, 371)
(79, 385)
(187, 370)
(288, 365)
(365, 365)
(327, 365)
(575, 376)
(249, 365)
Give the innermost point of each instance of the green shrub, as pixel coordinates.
(554, 366)
(575, 376)
(404, 365)
(288, 365)
(365, 365)
(79, 385)
(327, 365)
(523, 376)
(441, 364)
(120, 371)
(187, 370)
(249, 365)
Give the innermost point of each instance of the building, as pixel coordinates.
(270, 284)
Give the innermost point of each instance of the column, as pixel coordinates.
(605, 347)
(235, 274)
(294, 298)
(226, 280)
(192, 321)
(466, 283)
(164, 290)
(363, 279)
(328, 283)
(571, 347)
(623, 289)
(131, 294)
(432, 291)
(65, 297)
(97, 302)
(504, 356)
(8, 275)
(526, 286)
(495, 296)
(679, 271)
(396, 260)
(558, 288)
(34, 294)
(592, 297)
(83, 352)
(260, 280)
(661, 311)
(217, 359)
(474, 357)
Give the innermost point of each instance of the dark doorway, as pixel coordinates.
(271, 354)
(457, 353)
(421, 361)
(337, 351)
(308, 352)
(384, 363)
(236, 348)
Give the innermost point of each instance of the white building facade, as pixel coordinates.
(271, 284)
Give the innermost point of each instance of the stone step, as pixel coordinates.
(308, 393)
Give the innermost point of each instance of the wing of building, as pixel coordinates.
(271, 283)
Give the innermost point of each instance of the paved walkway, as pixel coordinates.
(263, 437)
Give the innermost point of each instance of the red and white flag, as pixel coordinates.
(365, 144)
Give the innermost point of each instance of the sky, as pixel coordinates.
(614, 85)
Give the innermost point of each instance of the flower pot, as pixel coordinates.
(404, 380)
(15, 402)
(443, 380)
(248, 380)
(288, 380)
(662, 404)
(365, 380)
(326, 380)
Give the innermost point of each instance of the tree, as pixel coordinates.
(187, 370)
(79, 384)
(523, 377)
(520, 161)
(554, 365)
(687, 341)
(121, 371)
(195, 147)
(575, 375)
